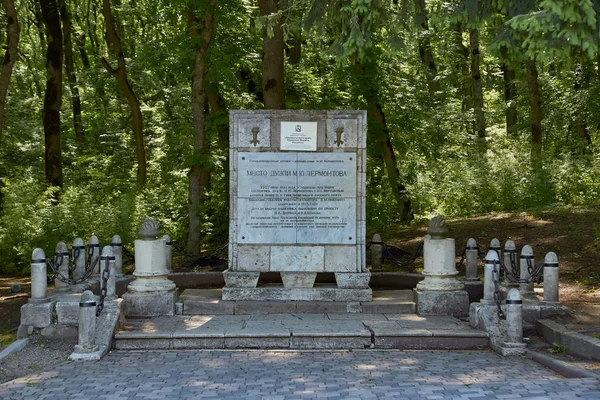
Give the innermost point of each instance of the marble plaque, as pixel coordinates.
(296, 198)
(298, 136)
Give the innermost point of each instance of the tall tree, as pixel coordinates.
(378, 131)
(535, 107)
(477, 86)
(53, 95)
(425, 50)
(13, 33)
(579, 126)
(273, 55)
(510, 99)
(199, 174)
(120, 73)
(71, 77)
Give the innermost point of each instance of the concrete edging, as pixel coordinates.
(561, 367)
(13, 348)
(576, 343)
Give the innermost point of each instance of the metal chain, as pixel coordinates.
(104, 286)
(535, 273)
(495, 279)
(463, 257)
(401, 264)
(77, 252)
(57, 274)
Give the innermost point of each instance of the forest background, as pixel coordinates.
(111, 110)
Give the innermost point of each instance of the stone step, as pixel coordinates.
(300, 331)
(208, 302)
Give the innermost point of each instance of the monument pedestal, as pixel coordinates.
(151, 294)
(150, 304)
(440, 292)
(454, 302)
(297, 204)
(301, 294)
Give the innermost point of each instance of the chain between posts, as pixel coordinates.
(536, 273)
(104, 286)
(58, 259)
(496, 279)
(387, 251)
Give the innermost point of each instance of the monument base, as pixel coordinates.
(37, 315)
(454, 303)
(510, 349)
(84, 350)
(315, 294)
(150, 304)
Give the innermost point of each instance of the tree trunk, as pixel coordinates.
(580, 124)
(535, 112)
(36, 10)
(12, 34)
(113, 41)
(293, 50)
(379, 131)
(72, 79)
(272, 61)
(462, 67)
(199, 175)
(53, 95)
(510, 98)
(425, 52)
(479, 126)
(598, 65)
(80, 43)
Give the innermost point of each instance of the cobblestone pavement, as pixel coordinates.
(370, 374)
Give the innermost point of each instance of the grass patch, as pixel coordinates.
(557, 349)
(7, 338)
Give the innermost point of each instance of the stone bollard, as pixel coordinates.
(376, 253)
(514, 316)
(111, 281)
(117, 246)
(526, 289)
(94, 245)
(510, 255)
(551, 278)
(471, 256)
(489, 288)
(87, 323)
(79, 256)
(168, 248)
(495, 245)
(62, 256)
(39, 277)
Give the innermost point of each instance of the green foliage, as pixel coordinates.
(557, 349)
(352, 51)
(559, 29)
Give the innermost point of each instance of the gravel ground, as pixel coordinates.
(40, 354)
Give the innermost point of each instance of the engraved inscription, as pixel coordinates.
(288, 198)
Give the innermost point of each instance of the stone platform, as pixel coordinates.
(300, 331)
(208, 301)
(387, 322)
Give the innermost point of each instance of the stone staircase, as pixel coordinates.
(204, 321)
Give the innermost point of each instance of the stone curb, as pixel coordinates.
(559, 366)
(576, 343)
(13, 348)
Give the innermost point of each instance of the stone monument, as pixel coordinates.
(151, 293)
(297, 204)
(440, 292)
